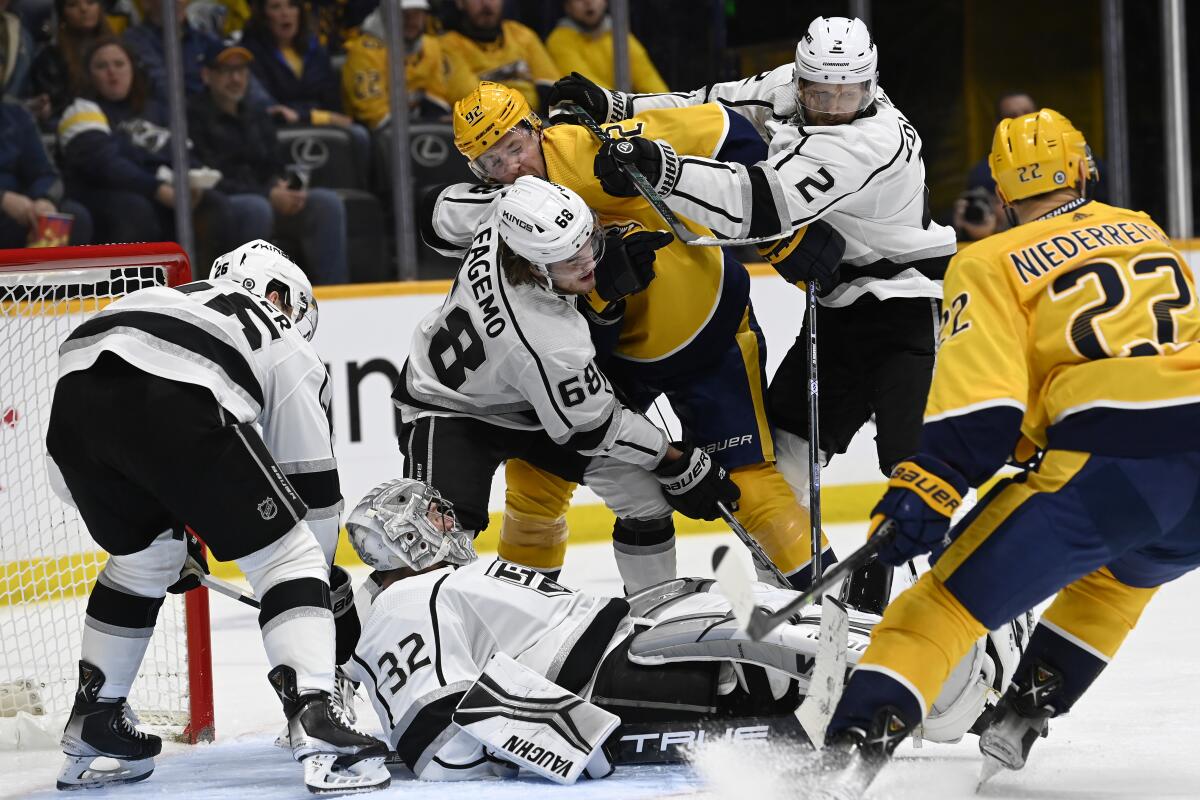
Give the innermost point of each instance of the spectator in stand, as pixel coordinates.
(495, 49)
(434, 81)
(146, 42)
(978, 212)
(583, 42)
(338, 21)
(29, 184)
(16, 53)
(114, 144)
(57, 75)
(294, 69)
(239, 140)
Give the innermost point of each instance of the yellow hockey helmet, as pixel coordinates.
(486, 114)
(1038, 153)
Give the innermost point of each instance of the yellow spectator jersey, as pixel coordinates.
(429, 72)
(1081, 329)
(517, 58)
(692, 287)
(590, 53)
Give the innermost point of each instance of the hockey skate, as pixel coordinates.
(345, 693)
(102, 729)
(853, 757)
(336, 757)
(1020, 718)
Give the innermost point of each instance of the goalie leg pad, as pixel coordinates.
(522, 717)
(791, 649)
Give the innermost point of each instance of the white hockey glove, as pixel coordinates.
(521, 717)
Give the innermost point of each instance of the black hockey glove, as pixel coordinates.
(628, 263)
(693, 484)
(195, 563)
(655, 159)
(813, 252)
(600, 103)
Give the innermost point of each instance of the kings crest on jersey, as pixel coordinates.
(235, 344)
(519, 356)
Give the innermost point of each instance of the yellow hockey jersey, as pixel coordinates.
(692, 288)
(430, 73)
(591, 55)
(1081, 330)
(517, 58)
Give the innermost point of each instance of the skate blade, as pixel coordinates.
(989, 768)
(79, 772)
(850, 782)
(324, 775)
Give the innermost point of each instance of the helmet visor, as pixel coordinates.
(584, 260)
(510, 157)
(833, 99)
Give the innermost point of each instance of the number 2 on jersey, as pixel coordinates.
(1158, 280)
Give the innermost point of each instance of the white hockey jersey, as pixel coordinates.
(519, 356)
(244, 350)
(425, 640)
(865, 178)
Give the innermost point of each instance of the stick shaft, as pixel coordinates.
(229, 590)
(814, 436)
(764, 621)
(757, 553)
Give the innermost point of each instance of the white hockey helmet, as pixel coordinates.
(545, 223)
(407, 523)
(836, 50)
(261, 268)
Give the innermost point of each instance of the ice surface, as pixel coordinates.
(1131, 737)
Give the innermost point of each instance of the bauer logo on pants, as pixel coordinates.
(267, 508)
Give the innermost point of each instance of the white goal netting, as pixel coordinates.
(48, 562)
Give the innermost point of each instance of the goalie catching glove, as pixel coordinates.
(693, 484)
(811, 253)
(521, 717)
(923, 493)
(654, 158)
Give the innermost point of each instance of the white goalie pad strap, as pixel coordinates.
(962, 698)
(714, 637)
(646, 602)
(520, 716)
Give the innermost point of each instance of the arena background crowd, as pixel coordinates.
(289, 101)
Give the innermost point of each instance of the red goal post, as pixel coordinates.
(48, 562)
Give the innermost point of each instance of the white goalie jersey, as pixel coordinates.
(244, 350)
(519, 356)
(865, 178)
(426, 639)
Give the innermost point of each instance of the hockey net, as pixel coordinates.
(48, 562)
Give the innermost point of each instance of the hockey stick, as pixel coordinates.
(192, 568)
(639, 180)
(814, 443)
(757, 620)
(757, 554)
(825, 683)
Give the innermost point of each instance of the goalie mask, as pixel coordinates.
(407, 523)
(261, 268)
(836, 71)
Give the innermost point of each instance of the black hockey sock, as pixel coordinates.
(346, 626)
(1077, 668)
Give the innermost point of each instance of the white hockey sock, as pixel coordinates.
(123, 608)
(644, 551)
(792, 461)
(291, 579)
